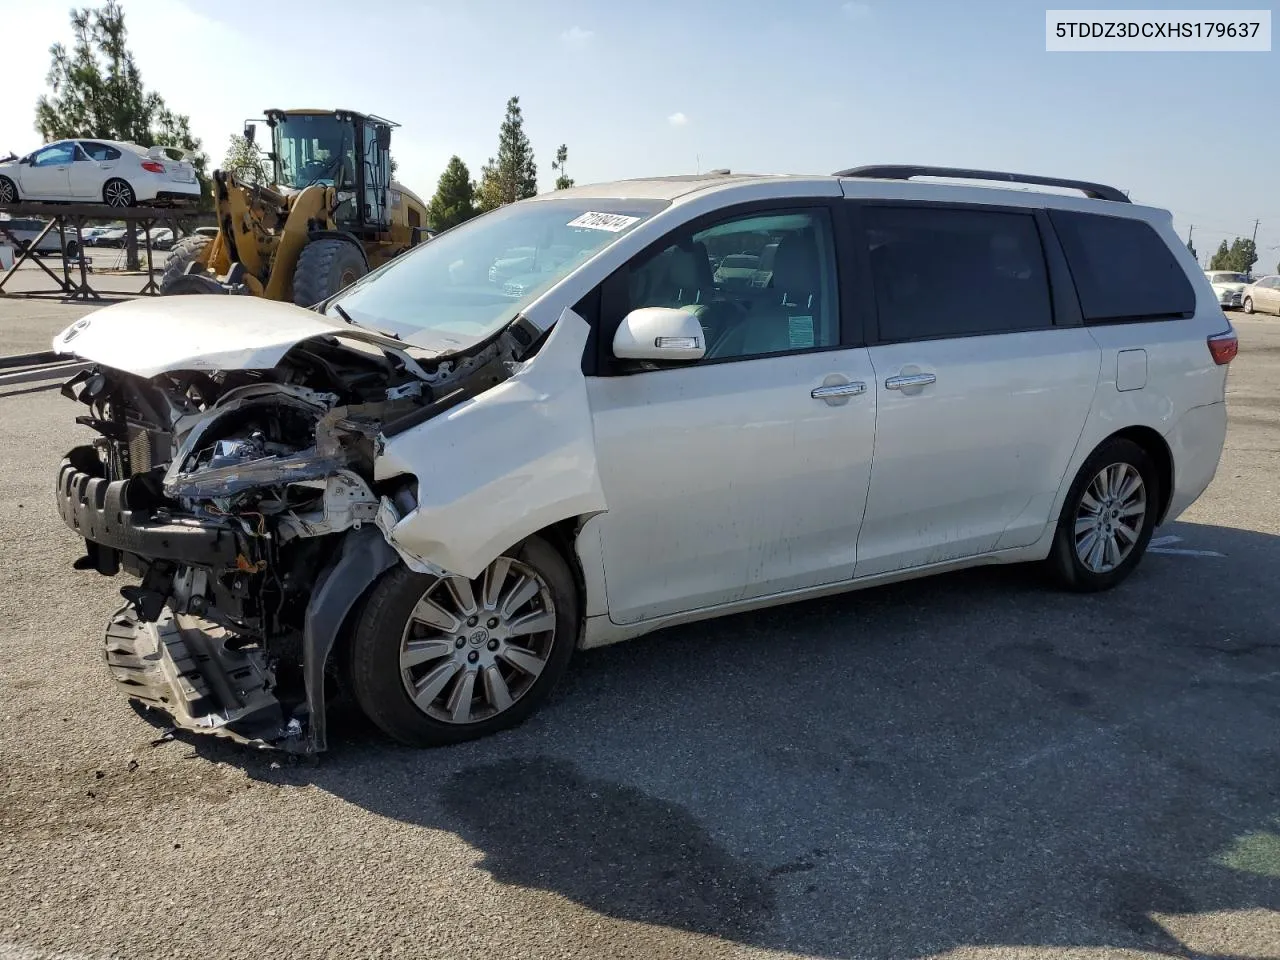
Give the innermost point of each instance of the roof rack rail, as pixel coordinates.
(894, 171)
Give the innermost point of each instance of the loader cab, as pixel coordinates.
(341, 149)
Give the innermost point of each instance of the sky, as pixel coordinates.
(677, 86)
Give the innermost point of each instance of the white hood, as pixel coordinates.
(153, 336)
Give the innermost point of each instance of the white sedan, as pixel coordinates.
(100, 171)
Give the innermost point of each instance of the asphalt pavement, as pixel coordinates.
(974, 766)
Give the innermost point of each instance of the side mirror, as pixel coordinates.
(250, 131)
(384, 138)
(659, 333)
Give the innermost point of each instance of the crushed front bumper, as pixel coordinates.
(102, 511)
(184, 666)
(172, 658)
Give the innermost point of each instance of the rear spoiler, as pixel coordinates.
(166, 152)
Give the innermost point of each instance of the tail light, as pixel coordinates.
(152, 166)
(1223, 347)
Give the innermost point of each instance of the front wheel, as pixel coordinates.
(439, 660)
(1248, 304)
(1107, 519)
(8, 191)
(325, 266)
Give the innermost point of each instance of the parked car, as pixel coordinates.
(737, 270)
(161, 238)
(441, 489)
(21, 232)
(100, 171)
(1229, 287)
(1263, 295)
(111, 237)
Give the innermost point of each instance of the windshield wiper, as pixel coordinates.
(347, 317)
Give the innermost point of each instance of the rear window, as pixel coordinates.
(100, 151)
(1122, 268)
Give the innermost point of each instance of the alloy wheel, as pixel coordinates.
(118, 194)
(1109, 519)
(7, 192)
(472, 648)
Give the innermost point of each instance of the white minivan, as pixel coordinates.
(553, 428)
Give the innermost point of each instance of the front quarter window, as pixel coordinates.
(466, 284)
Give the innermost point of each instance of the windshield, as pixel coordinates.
(1228, 278)
(466, 284)
(314, 149)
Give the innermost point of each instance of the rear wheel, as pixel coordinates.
(8, 191)
(184, 252)
(1107, 519)
(118, 193)
(325, 266)
(439, 660)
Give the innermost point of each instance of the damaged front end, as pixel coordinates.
(244, 503)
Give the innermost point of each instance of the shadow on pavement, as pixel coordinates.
(965, 761)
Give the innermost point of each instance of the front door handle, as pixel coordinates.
(910, 380)
(827, 391)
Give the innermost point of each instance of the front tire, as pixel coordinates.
(8, 191)
(436, 661)
(1107, 519)
(1248, 304)
(325, 266)
(118, 193)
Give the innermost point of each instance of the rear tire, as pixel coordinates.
(118, 193)
(8, 191)
(186, 251)
(325, 266)
(471, 675)
(1107, 519)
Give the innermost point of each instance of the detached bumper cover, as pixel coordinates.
(98, 510)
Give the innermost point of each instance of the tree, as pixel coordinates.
(96, 91)
(454, 201)
(513, 175)
(563, 182)
(1244, 254)
(244, 161)
(1238, 258)
(1220, 257)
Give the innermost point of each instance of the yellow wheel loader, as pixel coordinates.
(331, 215)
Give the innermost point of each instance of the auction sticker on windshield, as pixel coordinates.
(613, 222)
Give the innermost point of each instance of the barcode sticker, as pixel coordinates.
(613, 222)
(800, 332)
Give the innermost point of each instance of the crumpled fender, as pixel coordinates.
(501, 466)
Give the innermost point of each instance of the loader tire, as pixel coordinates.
(182, 253)
(325, 266)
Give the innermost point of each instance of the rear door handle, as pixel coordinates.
(854, 389)
(910, 380)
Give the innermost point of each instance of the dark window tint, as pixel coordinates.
(1122, 268)
(945, 272)
(100, 151)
